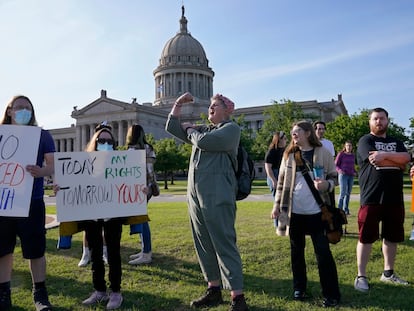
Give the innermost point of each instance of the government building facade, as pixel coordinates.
(183, 66)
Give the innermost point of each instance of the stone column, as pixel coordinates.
(121, 135)
(78, 140)
(84, 138)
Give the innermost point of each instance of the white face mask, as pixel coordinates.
(22, 117)
(104, 147)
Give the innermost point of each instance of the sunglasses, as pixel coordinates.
(102, 141)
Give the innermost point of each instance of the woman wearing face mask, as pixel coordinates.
(103, 140)
(31, 229)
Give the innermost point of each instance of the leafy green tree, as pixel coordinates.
(246, 134)
(279, 117)
(353, 127)
(169, 158)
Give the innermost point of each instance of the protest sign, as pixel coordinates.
(99, 185)
(18, 148)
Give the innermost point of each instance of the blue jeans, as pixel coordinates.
(345, 186)
(145, 233)
(272, 190)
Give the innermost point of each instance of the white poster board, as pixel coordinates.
(101, 184)
(18, 148)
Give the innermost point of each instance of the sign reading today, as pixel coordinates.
(18, 148)
(100, 184)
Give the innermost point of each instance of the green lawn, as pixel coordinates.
(174, 277)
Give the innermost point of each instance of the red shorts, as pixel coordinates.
(391, 218)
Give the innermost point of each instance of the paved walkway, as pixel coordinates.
(51, 221)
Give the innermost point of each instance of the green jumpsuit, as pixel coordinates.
(211, 195)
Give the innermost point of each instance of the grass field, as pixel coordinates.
(174, 278)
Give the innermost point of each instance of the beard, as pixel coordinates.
(379, 130)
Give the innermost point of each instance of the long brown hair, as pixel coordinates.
(136, 137)
(275, 139)
(312, 138)
(8, 120)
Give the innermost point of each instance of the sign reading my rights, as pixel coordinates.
(101, 184)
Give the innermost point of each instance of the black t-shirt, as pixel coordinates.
(379, 185)
(274, 156)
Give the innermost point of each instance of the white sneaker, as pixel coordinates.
(361, 284)
(96, 297)
(115, 301)
(135, 256)
(393, 279)
(85, 259)
(145, 258)
(412, 235)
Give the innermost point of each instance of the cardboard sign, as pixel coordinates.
(18, 148)
(101, 184)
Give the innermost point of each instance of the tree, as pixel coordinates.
(246, 134)
(169, 158)
(353, 127)
(279, 117)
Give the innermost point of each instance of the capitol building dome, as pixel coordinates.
(183, 67)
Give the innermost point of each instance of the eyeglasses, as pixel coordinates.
(102, 141)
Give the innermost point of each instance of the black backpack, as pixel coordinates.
(245, 173)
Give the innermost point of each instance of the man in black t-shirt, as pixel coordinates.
(381, 159)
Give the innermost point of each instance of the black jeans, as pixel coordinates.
(301, 225)
(112, 232)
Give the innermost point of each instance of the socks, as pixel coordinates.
(39, 285)
(388, 273)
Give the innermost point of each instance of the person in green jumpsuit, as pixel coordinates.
(211, 196)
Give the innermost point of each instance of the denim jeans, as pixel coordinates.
(345, 186)
(273, 190)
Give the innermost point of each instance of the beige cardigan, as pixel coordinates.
(286, 183)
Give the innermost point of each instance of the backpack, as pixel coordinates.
(245, 173)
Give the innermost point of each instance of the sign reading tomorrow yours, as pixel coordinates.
(101, 184)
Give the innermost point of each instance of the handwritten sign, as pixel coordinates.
(102, 184)
(18, 148)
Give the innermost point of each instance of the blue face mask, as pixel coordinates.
(22, 117)
(104, 147)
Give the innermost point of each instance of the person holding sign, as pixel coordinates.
(103, 140)
(135, 139)
(211, 195)
(31, 229)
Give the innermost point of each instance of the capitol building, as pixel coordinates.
(183, 66)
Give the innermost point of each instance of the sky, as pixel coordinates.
(61, 54)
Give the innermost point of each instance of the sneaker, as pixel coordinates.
(84, 260)
(145, 258)
(96, 297)
(238, 304)
(412, 235)
(299, 295)
(393, 279)
(5, 299)
(361, 284)
(41, 300)
(115, 301)
(330, 302)
(212, 297)
(137, 255)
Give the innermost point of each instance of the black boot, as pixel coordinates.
(212, 297)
